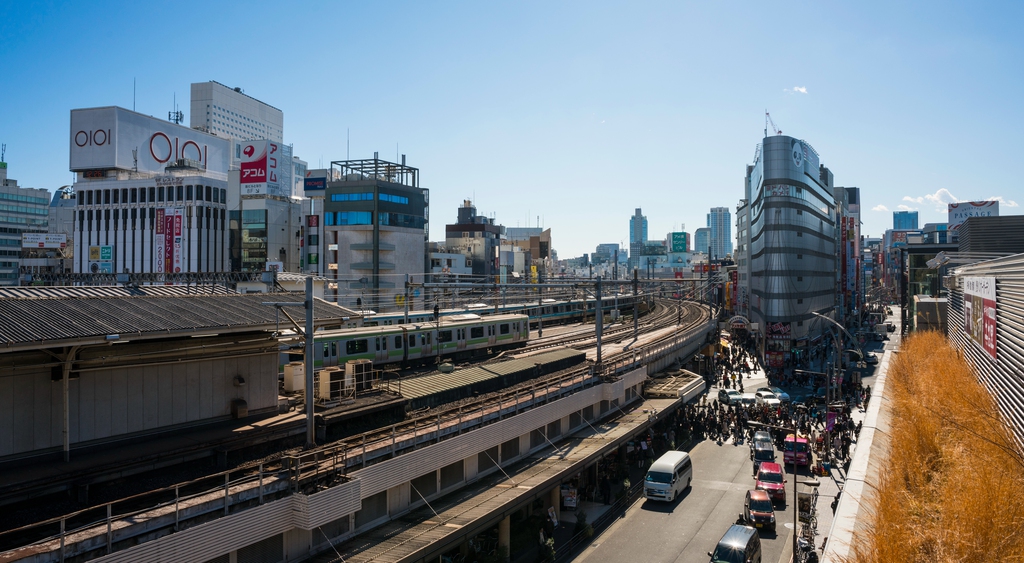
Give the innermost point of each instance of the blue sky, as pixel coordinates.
(577, 112)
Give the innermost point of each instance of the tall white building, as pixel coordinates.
(720, 232)
(265, 214)
(229, 112)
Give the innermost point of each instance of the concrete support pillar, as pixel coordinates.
(505, 536)
(556, 501)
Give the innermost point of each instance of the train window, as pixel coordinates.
(398, 342)
(425, 339)
(356, 347)
(444, 336)
(412, 340)
(327, 349)
(334, 349)
(382, 344)
(476, 332)
(462, 334)
(504, 328)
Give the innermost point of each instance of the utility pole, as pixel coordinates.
(636, 304)
(599, 325)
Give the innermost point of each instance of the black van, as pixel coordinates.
(740, 544)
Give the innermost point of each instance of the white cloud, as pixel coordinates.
(796, 90)
(939, 199)
(880, 207)
(1003, 201)
(906, 207)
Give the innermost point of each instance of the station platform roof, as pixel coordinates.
(53, 317)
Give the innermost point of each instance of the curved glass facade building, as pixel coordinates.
(792, 244)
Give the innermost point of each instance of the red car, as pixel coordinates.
(770, 479)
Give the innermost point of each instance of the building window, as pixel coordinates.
(106, 196)
(208, 193)
(181, 192)
(799, 256)
(394, 198)
(135, 195)
(799, 278)
(799, 233)
(355, 218)
(799, 323)
(88, 197)
(799, 301)
(117, 196)
(159, 193)
(799, 211)
(188, 193)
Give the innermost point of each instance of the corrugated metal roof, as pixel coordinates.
(26, 323)
(50, 292)
(432, 384)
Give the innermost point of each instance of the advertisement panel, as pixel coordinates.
(116, 138)
(805, 160)
(957, 213)
(158, 242)
(679, 242)
(43, 240)
(980, 312)
(167, 240)
(259, 174)
(315, 182)
(778, 331)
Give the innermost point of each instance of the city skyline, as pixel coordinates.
(486, 88)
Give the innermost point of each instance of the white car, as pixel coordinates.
(767, 398)
(728, 396)
(778, 392)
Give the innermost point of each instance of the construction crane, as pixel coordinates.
(767, 121)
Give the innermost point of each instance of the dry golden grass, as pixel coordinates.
(953, 486)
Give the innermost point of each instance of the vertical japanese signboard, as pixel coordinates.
(980, 312)
(167, 240)
(258, 168)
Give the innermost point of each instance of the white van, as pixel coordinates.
(668, 476)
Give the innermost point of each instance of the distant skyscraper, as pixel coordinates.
(700, 240)
(904, 220)
(637, 237)
(720, 232)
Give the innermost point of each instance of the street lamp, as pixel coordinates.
(809, 482)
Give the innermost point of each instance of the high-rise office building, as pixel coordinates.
(229, 112)
(637, 237)
(702, 240)
(904, 220)
(25, 210)
(792, 244)
(720, 232)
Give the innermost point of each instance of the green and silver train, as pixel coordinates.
(454, 337)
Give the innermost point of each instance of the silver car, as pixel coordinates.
(767, 398)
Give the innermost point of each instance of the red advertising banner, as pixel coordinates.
(168, 242)
(177, 241)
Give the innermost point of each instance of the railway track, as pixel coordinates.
(324, 466)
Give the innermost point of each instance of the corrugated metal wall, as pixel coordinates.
(1003, 376)
(106, 403)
